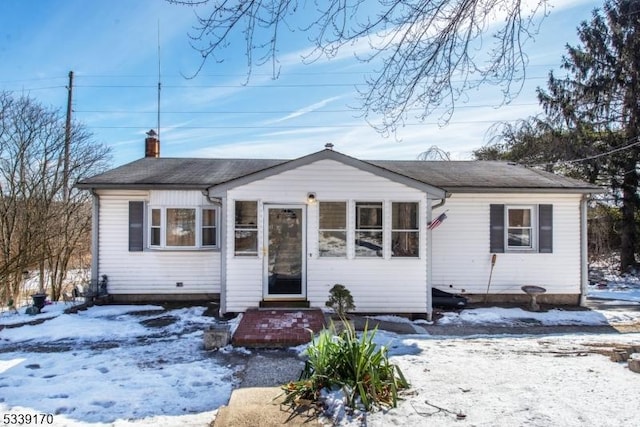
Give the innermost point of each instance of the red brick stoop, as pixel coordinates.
(277, 328)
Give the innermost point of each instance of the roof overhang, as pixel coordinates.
(219, 190)
(520, 190)
(141, 186)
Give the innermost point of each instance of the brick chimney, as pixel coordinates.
(152, 144)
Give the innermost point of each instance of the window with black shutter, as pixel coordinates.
(496, 229)
(136, 226)
(545, 228)
(519, 228)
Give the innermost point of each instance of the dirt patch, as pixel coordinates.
(159, 322)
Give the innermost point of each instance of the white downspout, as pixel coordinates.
(430, 208)
(584, 256)
(95, 243)
(429, 253)
(223, 256)
(222, 203)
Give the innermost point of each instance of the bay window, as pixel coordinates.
(183, 228)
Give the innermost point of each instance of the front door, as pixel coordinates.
(285, 271)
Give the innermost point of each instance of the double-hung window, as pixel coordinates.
(369, 229)
(405, 233)
(246, 228)
(183, 228)
(520, 227)
(333, 229)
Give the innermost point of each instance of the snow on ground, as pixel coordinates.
(113, 365)
(143, 365)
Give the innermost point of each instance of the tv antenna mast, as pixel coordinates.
(159, 79)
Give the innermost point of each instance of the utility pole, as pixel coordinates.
(67, 139)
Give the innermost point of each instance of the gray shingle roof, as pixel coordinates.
(177, 173)
(468, 175)
(455, 176)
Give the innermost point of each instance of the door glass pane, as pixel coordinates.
(285, 252)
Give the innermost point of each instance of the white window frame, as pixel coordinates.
(198, 228)
(345, 230)
(408, 230)
(370, 204)
(533, 211)
(245, 227)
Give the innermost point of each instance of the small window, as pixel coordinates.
(369, 236)
(156, 224)
(405, 235)
(209, 227)
(520, 228)
(246, 228)
(333, 229)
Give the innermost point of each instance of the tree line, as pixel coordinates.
(589, 128)
(45, 223)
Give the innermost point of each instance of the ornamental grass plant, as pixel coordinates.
(356, 365)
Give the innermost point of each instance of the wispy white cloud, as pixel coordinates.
(308, 109)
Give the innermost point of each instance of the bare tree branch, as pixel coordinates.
(39, 228)
(428, 52)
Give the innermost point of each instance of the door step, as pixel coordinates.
(284, 304)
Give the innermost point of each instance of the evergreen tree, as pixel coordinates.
(591, 115)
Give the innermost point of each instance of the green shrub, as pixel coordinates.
(356, 365)
(340, 300)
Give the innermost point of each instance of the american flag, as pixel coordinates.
(436, 222)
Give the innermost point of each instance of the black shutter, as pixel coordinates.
(496, 229)
(136, 228)
(545, 228)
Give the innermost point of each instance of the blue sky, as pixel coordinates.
(112, 48)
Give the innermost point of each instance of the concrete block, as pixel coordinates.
(216, 337)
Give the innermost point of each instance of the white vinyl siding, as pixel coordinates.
(462, 259)
(151, 271)
(385, 284)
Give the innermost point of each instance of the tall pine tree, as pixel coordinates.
(601, 94)
(592, 114)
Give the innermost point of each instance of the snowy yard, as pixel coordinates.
(141, 365)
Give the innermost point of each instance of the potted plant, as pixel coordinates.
(341, 302)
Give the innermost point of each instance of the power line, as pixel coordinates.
(293, 126)
(595, 156)
(607, 153)
(342, 110)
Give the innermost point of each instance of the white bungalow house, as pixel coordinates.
(254, 231)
